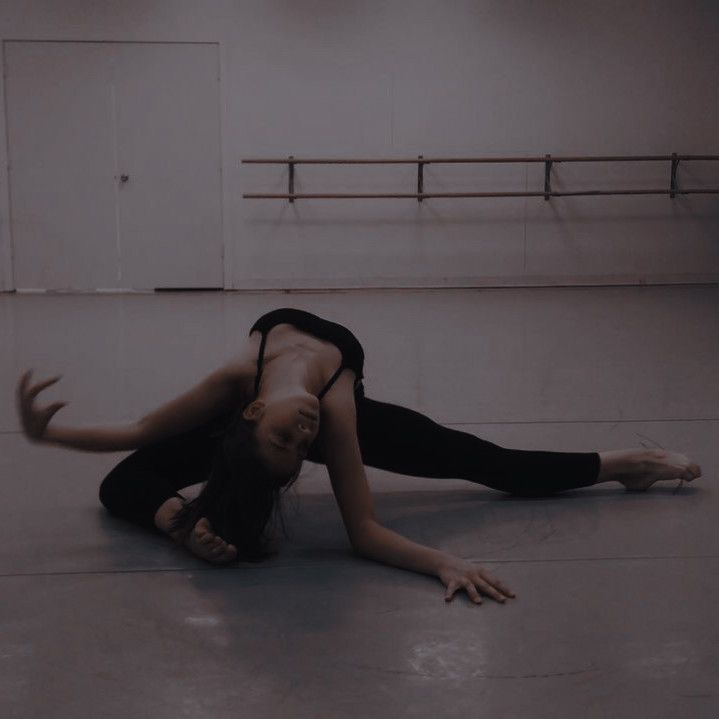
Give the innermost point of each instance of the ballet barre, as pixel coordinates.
(673, 189)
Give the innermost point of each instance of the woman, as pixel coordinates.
(295, 392)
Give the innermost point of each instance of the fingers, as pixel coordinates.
(454, 585)
(24, 380)
(474, 595)
(22, 389)
(465, 584)
(504, 589)
(488, 589)
(26, 395)
(493, 583)
(35, 391)
(494, 587)
(474, 583)
(54, 409)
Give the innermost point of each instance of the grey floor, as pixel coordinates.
(617, 592)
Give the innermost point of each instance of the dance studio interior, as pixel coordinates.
(497, 221)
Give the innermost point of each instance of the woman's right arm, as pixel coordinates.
(384, 545)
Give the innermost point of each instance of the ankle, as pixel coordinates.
(619, 464)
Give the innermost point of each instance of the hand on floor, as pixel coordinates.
(459, 573)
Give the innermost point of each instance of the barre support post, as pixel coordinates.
(547, 180)
(291, 178)
(673, 184)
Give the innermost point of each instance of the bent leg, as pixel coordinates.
(402, 440)
(141, 482)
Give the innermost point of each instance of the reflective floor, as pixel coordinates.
(616, 591)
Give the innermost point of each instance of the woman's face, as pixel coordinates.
(285, 429)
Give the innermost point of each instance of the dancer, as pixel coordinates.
(296, 392)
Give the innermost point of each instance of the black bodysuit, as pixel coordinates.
(394, 438)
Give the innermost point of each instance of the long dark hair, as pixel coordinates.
(240, 493)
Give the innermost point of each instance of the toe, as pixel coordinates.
(203, 524)
(224, 555)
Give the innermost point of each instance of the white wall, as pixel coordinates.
(397, 79)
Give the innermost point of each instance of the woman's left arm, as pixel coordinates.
(35, 423)
(118, 438)
(214, 394)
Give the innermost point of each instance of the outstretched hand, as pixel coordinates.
(34, 420)
(461, 574)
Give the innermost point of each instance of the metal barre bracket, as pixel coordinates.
(291, 186)
(673, 183)
(547, 181)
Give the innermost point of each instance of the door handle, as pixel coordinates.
(123, 178)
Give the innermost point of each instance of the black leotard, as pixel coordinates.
(348, 344)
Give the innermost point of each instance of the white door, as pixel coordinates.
(114, 164)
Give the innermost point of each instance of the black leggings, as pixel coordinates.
(391, 437)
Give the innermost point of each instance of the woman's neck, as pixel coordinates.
(288, 373)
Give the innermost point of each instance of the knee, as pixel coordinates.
(122, 482)
(108, 492)
(115, 491)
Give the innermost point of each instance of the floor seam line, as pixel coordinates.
(325, 562)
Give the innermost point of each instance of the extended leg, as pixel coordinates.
(402, 440)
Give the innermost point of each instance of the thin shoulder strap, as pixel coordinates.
(331, 382)
(259, 362)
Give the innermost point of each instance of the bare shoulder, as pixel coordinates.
(241, 366)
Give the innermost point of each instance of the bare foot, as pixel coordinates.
(659, 464)
(202, 542)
